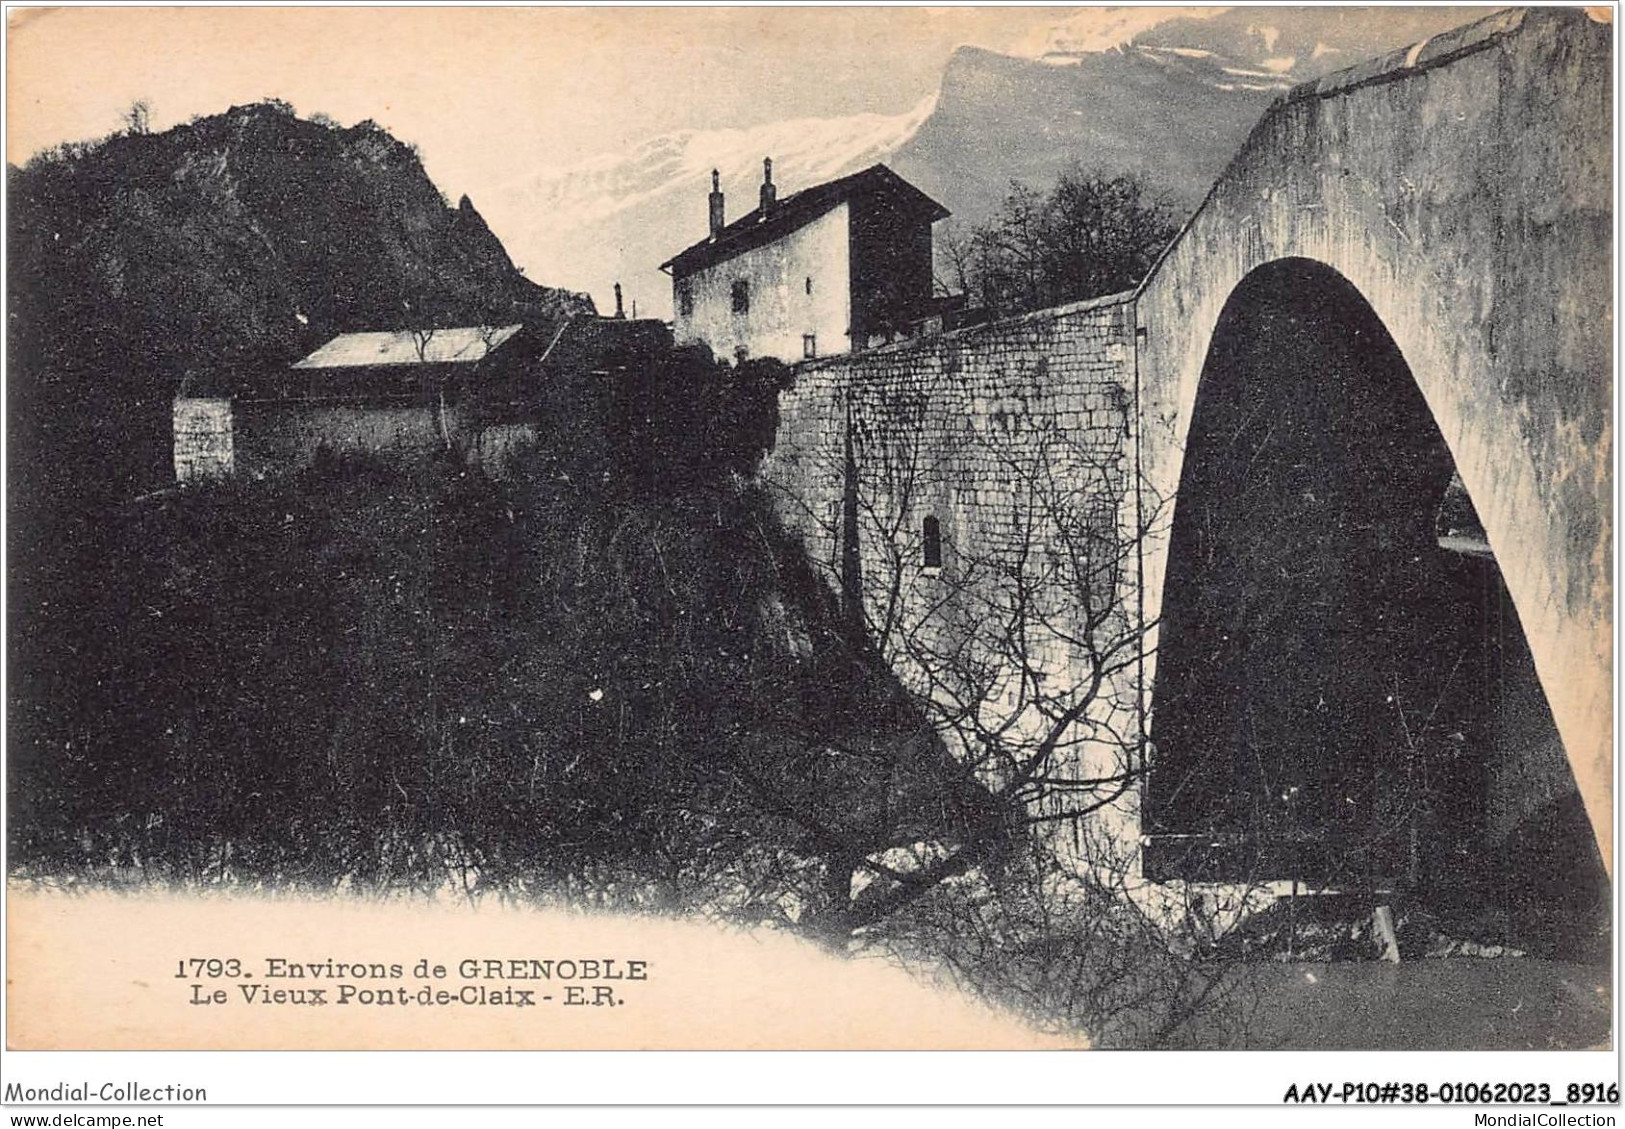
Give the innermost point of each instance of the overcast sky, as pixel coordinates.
(513, 105)
(487, 93)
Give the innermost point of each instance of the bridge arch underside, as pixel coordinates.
(1344, 693)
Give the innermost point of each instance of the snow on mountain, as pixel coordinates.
(1298, 42)
(1167, 94)
(1090, 31)
(617, 216)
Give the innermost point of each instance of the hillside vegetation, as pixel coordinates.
(242, 239)
(608, 679)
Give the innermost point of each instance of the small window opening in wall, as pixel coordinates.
(741, 296)
(809, 284)
(809, 344)
(685, 298)
(933, 544)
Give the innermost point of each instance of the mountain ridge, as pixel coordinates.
(1169, 97)
(254, 232)
(994, 118)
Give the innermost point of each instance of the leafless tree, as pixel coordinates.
(421, 336)
(1008, 615)
(138, 117)
(1089, 235)
(422, 329)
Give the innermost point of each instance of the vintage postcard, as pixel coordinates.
(953, 528)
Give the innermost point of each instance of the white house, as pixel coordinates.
(824, 271)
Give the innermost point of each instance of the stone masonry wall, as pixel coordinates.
(203, 438)
(1016, 438)
(1463, 187)
(216, 437)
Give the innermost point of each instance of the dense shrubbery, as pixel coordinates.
(605, 677)
(682, 423)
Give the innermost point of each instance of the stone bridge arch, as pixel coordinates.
(1463, 189)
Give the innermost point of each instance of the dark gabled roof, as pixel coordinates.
(599, 344)
(798, 210)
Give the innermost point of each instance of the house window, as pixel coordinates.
(933, 544)
(809, 345)
(741, 296)
(685, 297)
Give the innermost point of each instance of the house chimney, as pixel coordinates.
(769, 193)
(716, 203)
(619, 311)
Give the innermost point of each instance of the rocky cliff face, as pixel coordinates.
(1174, 117)
(249, 234)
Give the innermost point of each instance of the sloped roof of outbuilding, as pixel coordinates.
(461, 345)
